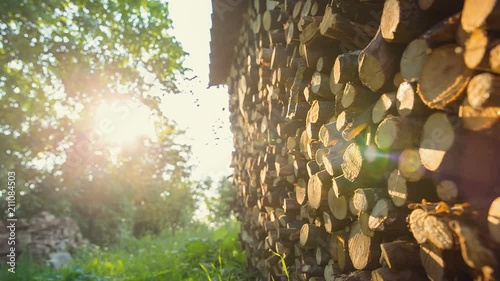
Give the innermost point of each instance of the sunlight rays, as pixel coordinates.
(123, 122)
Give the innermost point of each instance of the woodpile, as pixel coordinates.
(366, 139)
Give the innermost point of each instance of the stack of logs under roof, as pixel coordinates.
(366, 139)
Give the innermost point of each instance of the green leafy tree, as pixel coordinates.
(143, 187)
(220, 200)
(59, 60)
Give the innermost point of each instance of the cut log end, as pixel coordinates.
(353, 160)
(444, 77)
(475, 48)
(414, 59)
(416, 222)
(437, 138)
(494, 220)
(495, 59)
(477, 13)
(481, 88)
(408, 101)
(402, 21)
(387, 133)
(397, 187)
(363, 250)
(338, 206)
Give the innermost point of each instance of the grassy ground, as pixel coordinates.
(196, 254)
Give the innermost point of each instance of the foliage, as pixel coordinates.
(59, 57)
(221, 200)
(180, 257)
(59, 60)
(172, 210)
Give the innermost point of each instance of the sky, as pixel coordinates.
(203, 113)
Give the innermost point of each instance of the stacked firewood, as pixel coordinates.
(366, 138)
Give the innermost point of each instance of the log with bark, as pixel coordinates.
(417, 52)
(402, 21)
(379, 62)
(478, 14)
(336, 26)
(345, 68)
(397, 133)
(364, 251)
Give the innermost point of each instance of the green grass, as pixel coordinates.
(192, 255)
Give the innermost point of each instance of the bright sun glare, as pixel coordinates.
(122, 122)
